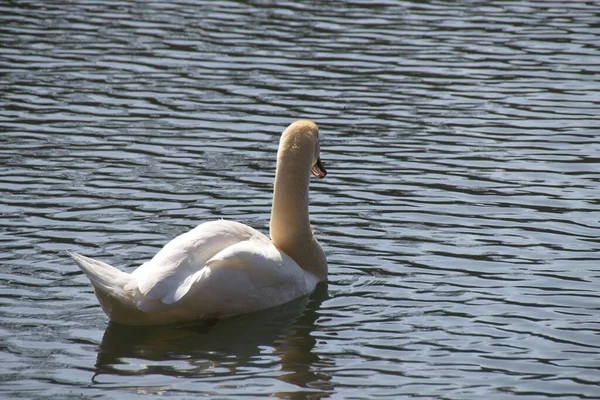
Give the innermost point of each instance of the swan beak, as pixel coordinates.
(318, 169)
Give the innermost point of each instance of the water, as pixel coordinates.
(460, 216)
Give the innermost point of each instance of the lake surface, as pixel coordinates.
(460, 216)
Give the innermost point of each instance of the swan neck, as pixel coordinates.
(290, 201)
(290, 221)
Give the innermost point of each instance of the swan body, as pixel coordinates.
(223, 268)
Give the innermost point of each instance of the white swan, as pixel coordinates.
(224, 268)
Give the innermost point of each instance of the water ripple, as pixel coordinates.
(460, 215)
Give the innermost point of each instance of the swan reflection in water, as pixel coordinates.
(219, 349)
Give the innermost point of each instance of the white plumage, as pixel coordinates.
(223, 268)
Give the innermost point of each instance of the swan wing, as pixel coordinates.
(252, 275)
(261, 262)
(172, 271)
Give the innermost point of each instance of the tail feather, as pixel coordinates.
(105, 278)
(121, 305)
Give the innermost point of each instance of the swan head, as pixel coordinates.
(301, 139)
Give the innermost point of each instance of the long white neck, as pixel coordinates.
(290, 225)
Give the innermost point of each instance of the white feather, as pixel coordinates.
(218, 269)
(224, 268)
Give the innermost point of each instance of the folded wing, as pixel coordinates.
(167, 278)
